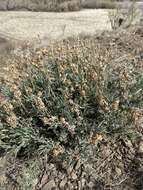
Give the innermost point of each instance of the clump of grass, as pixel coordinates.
(72, 91)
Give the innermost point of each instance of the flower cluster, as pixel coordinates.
(9, 116)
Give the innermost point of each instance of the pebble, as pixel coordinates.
(83, 181)
(118, 171)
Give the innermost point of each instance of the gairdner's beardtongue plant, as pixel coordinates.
(73, 92)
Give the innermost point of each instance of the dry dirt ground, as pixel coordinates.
(31, 26)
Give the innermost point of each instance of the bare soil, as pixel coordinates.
(31, 26)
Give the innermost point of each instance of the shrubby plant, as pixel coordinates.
(73, 90)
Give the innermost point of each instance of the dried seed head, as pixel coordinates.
(96, 138)
(39, 103)
(12, 120)
(115, 104)
(8, 107)
(28, 90)
(62, 120)
(17, 94)
(58, 150)
(102, 103)
(45, 120)
(136, 115)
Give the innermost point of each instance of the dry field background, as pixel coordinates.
(18, 28)
(29, 25)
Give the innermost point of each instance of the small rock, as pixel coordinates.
(63, 183)
(141, 147)
(73, 176)
(51, 184)
(118, 171)
(83, 181)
